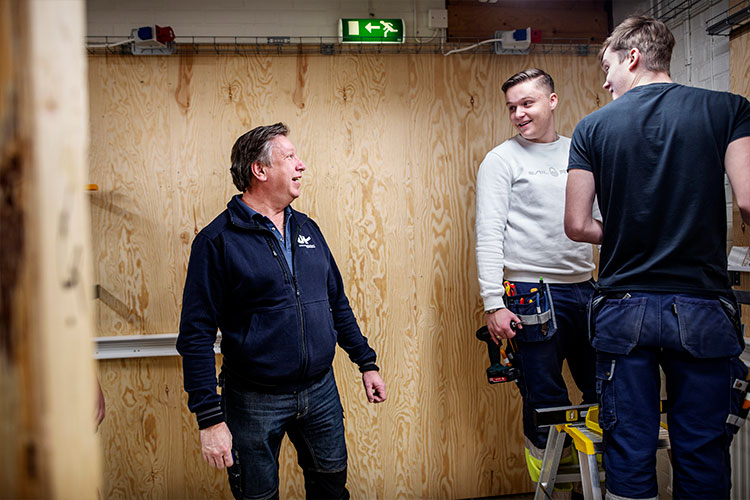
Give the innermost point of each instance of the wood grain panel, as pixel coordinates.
(134, 204)
(460, 109)
(392, 145)
(145, 402)
(371, 161)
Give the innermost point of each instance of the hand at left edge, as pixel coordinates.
(374, 386)
(100, 406)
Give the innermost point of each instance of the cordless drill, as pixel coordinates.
(497, 372)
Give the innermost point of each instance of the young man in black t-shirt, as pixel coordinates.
(655, 158)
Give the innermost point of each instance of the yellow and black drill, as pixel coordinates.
(501, 368)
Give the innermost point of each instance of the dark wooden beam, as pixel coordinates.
(585, 21)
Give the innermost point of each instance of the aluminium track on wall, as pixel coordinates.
(330, 46)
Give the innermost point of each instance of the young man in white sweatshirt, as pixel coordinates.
(521, 238)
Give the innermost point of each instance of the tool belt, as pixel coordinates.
(535, 309)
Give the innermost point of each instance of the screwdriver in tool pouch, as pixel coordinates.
(538, 307)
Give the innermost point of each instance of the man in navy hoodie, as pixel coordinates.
(263, 274)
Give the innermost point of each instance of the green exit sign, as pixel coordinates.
(371, 30)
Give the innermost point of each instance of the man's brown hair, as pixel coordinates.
(251, 147)
(650, 36)
(544, 80)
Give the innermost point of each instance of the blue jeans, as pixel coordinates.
(541, 355)
(314, 420)
(696, 342)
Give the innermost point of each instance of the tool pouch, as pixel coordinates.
(536, 312)
(739, 403)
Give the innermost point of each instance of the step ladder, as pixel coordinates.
(581, 423)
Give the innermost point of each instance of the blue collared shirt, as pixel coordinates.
(285, 240)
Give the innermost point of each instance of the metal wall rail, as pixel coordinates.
(732, 18)
(283, 45)
(140, 346)
(736, 15)
(666, 10)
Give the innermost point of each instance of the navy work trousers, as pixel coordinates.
(695, 341)
(541, 354)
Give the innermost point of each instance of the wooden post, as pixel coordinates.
(47, 380)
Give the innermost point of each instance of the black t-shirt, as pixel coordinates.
(657, 155)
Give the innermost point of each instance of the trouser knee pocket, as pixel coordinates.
(605, 391)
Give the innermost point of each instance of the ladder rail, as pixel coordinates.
(587, 443)
(550, 463)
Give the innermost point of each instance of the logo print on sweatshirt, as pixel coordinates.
(304, 241)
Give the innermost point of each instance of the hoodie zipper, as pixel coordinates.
(282, 262)
(279, 259)
(303, 368)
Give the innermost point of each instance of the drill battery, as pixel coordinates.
(500, 369)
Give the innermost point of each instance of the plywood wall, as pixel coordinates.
(392, 144)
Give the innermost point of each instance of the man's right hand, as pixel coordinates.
(498, 324)
(216, 445)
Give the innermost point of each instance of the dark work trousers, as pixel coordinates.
(696, 343)
(541, 354)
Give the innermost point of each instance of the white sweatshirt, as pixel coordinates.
(519, 225)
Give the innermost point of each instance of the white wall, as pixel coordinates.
(699, 59)
(294, 18)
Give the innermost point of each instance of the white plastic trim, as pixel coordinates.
(140, 346)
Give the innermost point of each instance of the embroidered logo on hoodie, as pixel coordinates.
(304, 241)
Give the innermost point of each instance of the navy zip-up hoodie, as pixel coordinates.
(279, 328)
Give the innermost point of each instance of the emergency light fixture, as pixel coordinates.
(371, 30)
